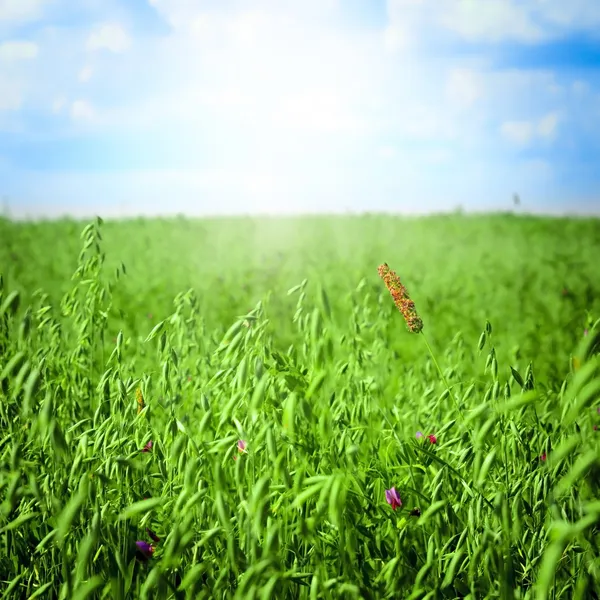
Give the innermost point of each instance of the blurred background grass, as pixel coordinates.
(535, 279)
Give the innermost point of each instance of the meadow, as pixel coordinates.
(235, 408)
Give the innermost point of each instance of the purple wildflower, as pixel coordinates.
(147, 447)
(393, 498)
(419, 435)
(146, 549)
(543, 457)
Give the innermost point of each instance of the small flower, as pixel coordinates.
(419, 435)
(393, 498)
(401, 299)
(543, 457)
(415, 512)
(152, 535)
(147, 447)
(432, 439)
(241, 445)
(146, 549)
(595, 428)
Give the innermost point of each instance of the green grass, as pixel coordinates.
(280, 333)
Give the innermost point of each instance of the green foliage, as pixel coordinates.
(276, 430)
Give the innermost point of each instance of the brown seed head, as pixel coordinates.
(140, 400)
(401, 299)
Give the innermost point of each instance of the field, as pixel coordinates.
(234, 408)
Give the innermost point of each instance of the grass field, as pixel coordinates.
(233, 408)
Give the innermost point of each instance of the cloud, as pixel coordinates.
(58, 104)
(81, 109)
(86, 73)
(546, 127)
(519, 132)
(490, 21)
(387, 152)
(20, 10)
(282, 105)
(109, 36)
(579, 14)
(463, 87)
(18, 50)
(10, 94)
(523, 132)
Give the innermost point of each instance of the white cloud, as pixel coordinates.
(463, 87)
(109, 36)
(10, 94)
(580, 87)
(397, 38)
(86, 73)
(539, 168)
(524, 132)
(18, 50)
(286, 106)
(20, 10)
(490, 21)
(573, 14)
(81, 109)
(387, 152)
(58, 104)
(519, 132)
(546, 128)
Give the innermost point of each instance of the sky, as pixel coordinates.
(201, 107)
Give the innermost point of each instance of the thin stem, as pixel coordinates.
(443, 378)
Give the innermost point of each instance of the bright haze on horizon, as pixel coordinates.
(144, 107)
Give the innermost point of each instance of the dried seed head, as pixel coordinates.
(401, 299)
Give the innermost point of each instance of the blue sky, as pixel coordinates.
(124, 107)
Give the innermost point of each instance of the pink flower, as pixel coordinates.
(543, 457)
(241, 447)
(147, 447)
(393, 498)
(432, 439)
